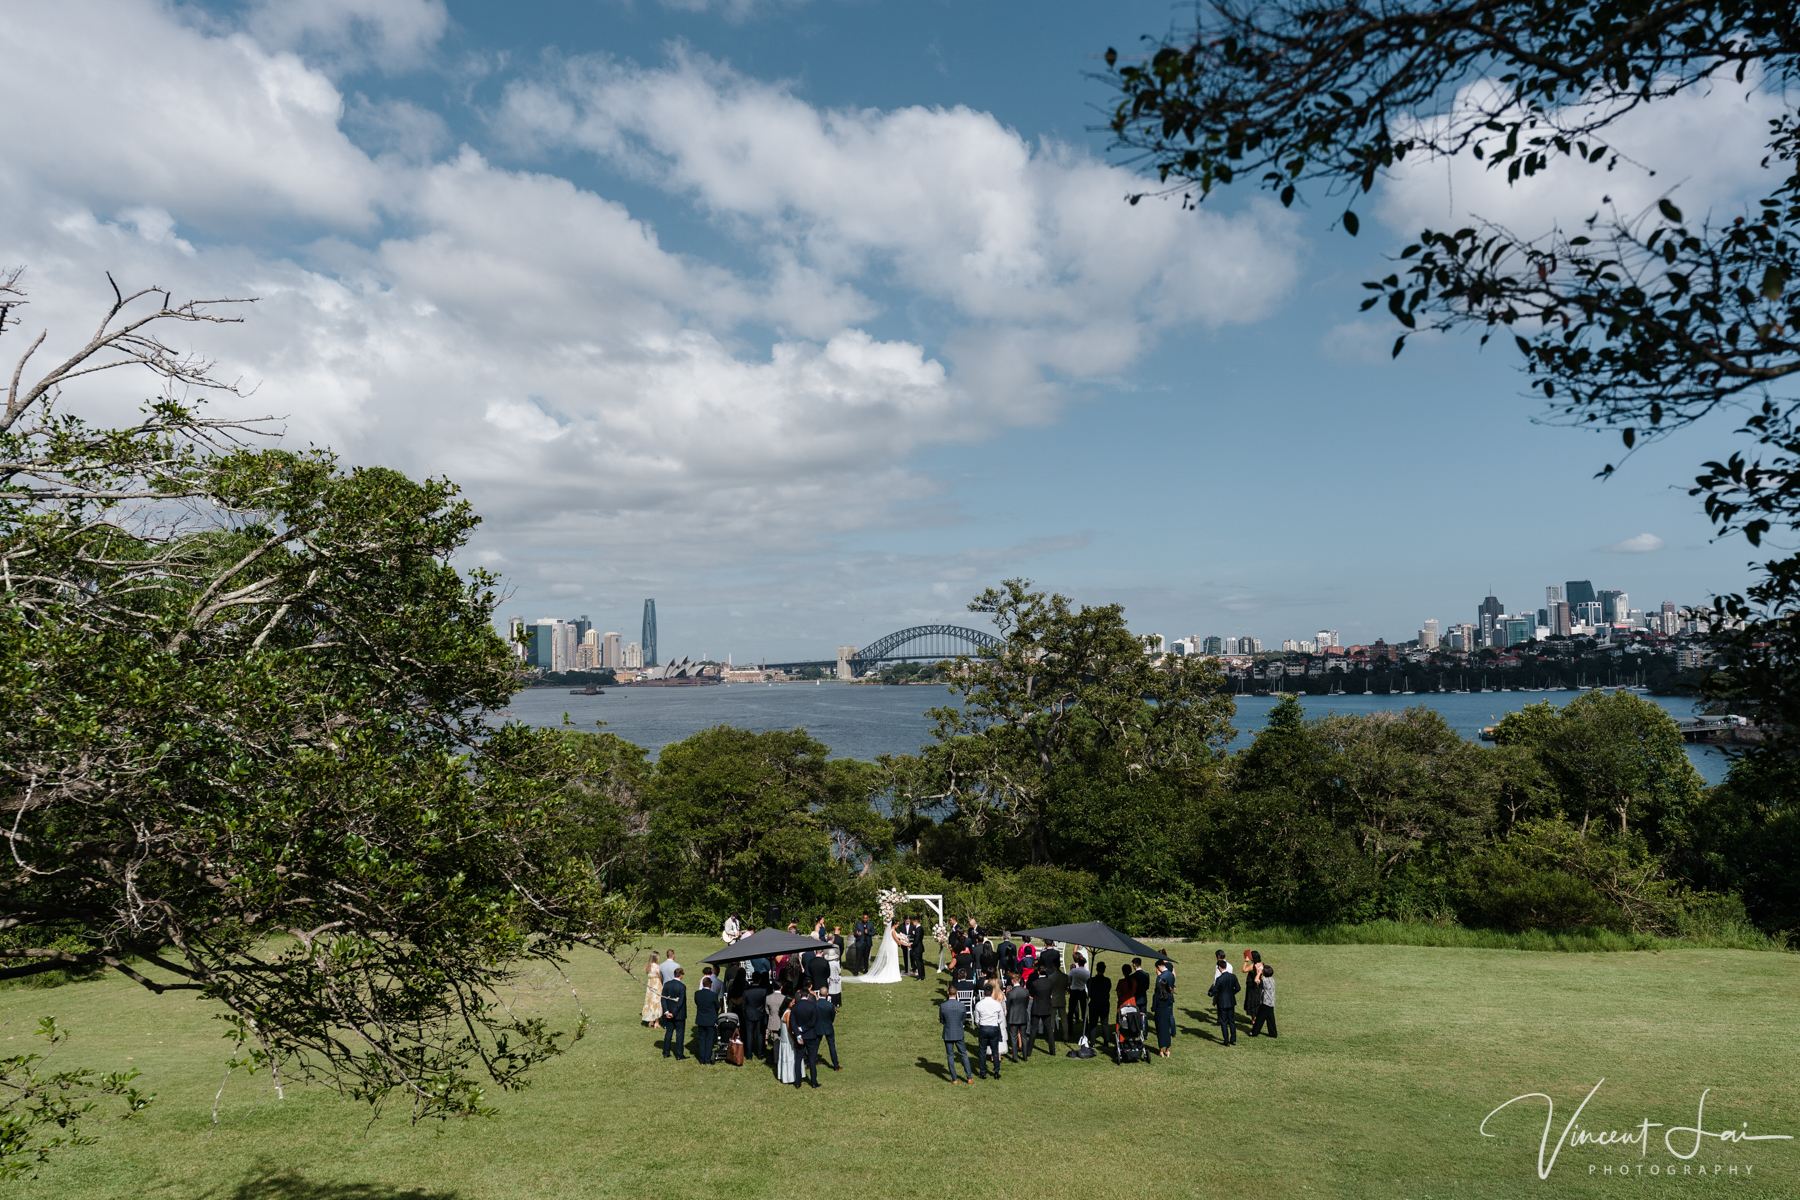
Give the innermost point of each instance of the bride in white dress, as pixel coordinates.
(887, 962)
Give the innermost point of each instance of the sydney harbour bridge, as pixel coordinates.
(917, 643)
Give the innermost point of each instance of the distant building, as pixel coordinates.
(1156, 644)
(1552, 594)
(1250, 645)
(1428, 635)
(845, 654)
(1213, 645)
(582, 626)
(612, 652)
(1324, 638)
(1515, 631)
(515, 637)
(1486, 618)
(1578, 592)
(648, 640)
(1590, 613)
(1614, 607)
(1560, 623)
(1668, 621)
(634, 656)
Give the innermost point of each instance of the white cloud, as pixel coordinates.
(1643, 543)
(1702, 148)
(597, 394)
(351, 34)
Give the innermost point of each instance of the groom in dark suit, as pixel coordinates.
(674, 1002)
(862, 936)
(802, 1019)
(706, 1016)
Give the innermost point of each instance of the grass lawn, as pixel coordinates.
(1388, 1061)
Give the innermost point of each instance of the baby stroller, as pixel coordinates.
(1130, 1035)
(732, 1044)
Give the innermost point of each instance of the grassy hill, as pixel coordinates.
(1390, 1057)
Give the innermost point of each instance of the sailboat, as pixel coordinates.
(1406, 686)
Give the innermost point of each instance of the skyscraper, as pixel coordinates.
(1552, 594)
(612, 651)
(1487, 618)
(1614, 606)
(648, 641)
(1560, 622)
(582, 625)
(634, 656)
(1579, 591)
(1428, 635)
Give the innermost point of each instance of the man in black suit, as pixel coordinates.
(825, 1029)
(818, 972)
(1051, 959)
(918, 940)
(674, 1003)
(1042, 1014)
(801, 1020)
(862, 936)
(756, 1016)
(1140, 983)
(1223, 993)
(706, 1015)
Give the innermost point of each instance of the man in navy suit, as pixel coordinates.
(862, 936)
(706, 1015)
(674, 1003)
(802, 1019)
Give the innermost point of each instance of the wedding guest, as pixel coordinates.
(834, 977)
(862, 936)
(787, 1060)
(669, 967)
(918, 947)
(987, 962)
(674, 1013)
(951, 1015)
(706, 1016)
(825, 1030)
(731, 929)
(759, 971)
(818, 971)
(1059, 1000)
(1140, 984)
(801, 1016)
(736, 981)
(1042, 1019)
(1018, 1012)
(1051, 959)
(990, 1022)
(772, 1009)
(1162, 1006)
(1265, 1012)
(1252, 986)
(1078, 994)
(653, 982)
(756, 1015)
(1009, 958)
(1027, 959)
(1099, 1000)
(1223, 993)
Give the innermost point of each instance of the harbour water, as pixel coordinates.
(863, 722)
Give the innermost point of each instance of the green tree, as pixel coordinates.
(737, 818)
(1067, 688)
(1641, 324)
(1616, 756)
(245, 739)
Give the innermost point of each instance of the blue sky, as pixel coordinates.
(810, 318)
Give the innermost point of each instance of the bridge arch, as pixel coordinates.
(921, 642)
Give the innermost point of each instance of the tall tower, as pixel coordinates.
(648, 640)
(1579, 591)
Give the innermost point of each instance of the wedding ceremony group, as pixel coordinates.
(773, 996)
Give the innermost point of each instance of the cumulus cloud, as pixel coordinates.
(617, 410)
(1643, 543)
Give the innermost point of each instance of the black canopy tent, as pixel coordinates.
(1095, 935)
(763, 944)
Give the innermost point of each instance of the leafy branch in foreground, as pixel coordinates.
(246, 747)
(41, 1110)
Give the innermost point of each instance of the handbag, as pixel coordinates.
(734, 1052)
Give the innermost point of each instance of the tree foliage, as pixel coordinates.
(246, 747)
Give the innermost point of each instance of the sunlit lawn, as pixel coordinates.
(1388, 1061)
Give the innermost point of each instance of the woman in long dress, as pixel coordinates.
(787, 1063)
(653, 992)
(886, 968)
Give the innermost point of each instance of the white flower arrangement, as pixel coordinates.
(889, 900)
(940, 933)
